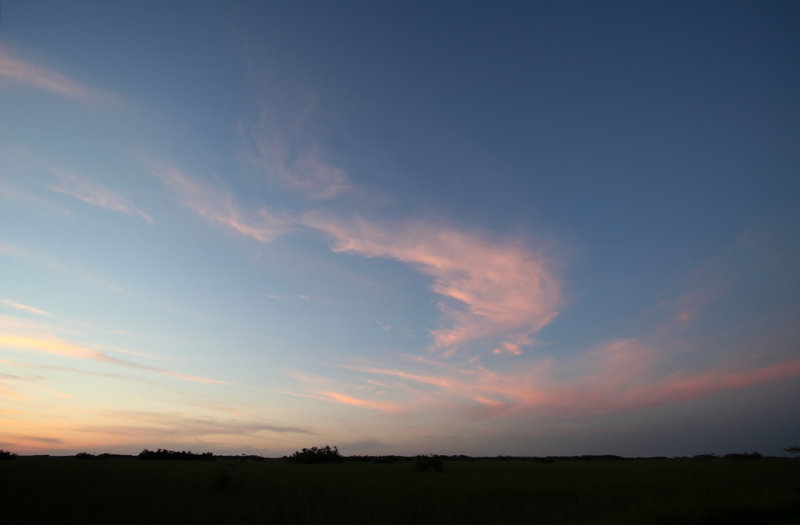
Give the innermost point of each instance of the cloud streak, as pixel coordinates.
(25, 308)
(130, 431)
(12, 250)
(491, 290)
(217, 205)
(69, 183)
(55, 346)
(83, 189)
(496, 291)
(621, 376)
(15, 71)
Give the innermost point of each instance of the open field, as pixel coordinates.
(226, 490)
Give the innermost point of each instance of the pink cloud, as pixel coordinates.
(16, 71)
(25, 308)
(683, 386)
(617, 377)
(350, 400)
(217, 205)
(488, 288)
(326, 389)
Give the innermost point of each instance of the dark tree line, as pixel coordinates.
(324, 454)
(171, 454)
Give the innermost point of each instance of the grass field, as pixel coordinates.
(668, 491)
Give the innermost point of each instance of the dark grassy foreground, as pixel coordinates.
(69, 490)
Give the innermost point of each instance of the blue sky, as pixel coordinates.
(517, 228)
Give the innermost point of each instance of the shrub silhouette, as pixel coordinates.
(5, 454)
(705, 457)
(430, 463)
(745, 455)
(324, 454)
(171, 454)
(86, 455)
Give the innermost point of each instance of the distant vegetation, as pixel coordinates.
(746, 455)
(709, 488)
(324, 454)
(171, 455)
(429, 463)
(87, 456)
(423, 463)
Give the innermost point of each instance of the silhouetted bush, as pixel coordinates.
(705, 457)
(86, 455)
(746, 455)
(172, 455)
(430, 463)
(324, 454)
(600, 457)
(5, 454)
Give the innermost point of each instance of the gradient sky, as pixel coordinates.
(521, 228)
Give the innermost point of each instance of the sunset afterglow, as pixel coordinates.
(398, 228)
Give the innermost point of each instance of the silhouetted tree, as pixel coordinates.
(324, 454)
(5, 454)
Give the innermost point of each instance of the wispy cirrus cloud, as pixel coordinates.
(12, 250)
(345, 399)
(620, 376)
(83, 189)
(25, 308)
(331, 391)
(73, 370)
(165, 424)
(31, 200)
(67, 182)
(55, 346)
(217, 205)
(300, 169)
(18, 72)
(131, 431)
(497, 291)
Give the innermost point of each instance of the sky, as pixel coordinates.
(483, 228)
